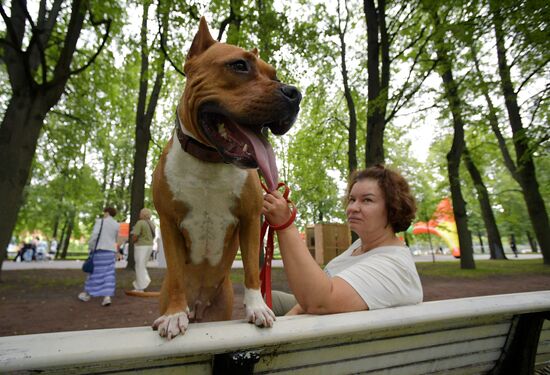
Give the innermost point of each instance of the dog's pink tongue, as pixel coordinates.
(265, 157)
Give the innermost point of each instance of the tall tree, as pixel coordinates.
(75, 138)
(378, 66)
(524, 171)
(396, 33)
(493, 235)
(39, 66)
(352, 126)
(458, 145)
(144, 114)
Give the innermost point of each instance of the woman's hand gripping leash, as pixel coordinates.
(279, 213)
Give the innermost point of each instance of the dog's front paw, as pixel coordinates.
(171, 325)
(257, 311)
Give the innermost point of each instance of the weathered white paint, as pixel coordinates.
(209, 190)
(432, 347)
(459, 336)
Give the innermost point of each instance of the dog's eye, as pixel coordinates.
(239, 66)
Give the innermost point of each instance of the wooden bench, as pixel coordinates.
(493, 334)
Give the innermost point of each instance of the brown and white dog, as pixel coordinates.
(206, 188)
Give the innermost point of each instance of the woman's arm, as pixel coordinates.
(136, 232)
(296, 310)
(314, 290)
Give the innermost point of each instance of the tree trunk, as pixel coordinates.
(480, 238)
(535, 207)
(525, 166)
(19, 134)
(144, 119)
(55, 226)
(493, 235)
(532, 242)
(137, 195)
(459, 208)
(454, 155)
(378, 80)
(67, 239)
(61, 239)
(352, 129)
(30, 102)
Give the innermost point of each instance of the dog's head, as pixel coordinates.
(230, 97)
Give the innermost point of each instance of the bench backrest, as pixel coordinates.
(460, 336)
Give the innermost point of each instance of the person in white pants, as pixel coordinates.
(143, 234)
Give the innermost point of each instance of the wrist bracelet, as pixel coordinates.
(290, 220)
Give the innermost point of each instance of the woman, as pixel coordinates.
(102, 282)
(376, 271)
(143, 235)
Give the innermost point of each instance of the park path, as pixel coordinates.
(76, 264)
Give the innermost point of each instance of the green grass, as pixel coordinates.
(39, 279)
(484, 268)
(237, 276)
(76, 256)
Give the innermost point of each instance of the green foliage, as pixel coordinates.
(84, 155)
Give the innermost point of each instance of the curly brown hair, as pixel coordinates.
(111, 211)
(400, 204)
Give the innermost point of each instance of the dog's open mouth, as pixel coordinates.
(242, 145)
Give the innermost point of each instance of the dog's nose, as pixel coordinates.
(292, 93)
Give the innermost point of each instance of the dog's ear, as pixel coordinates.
(202, 41)
(254, 51)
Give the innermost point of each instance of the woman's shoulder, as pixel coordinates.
(355, 245)
(396, 249)
(140, 225)
(391, 249)
(111, 220)
(395, 253)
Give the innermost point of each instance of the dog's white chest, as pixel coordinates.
(209, 190)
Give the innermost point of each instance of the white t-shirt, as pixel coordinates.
(109, 233)
(384, 277)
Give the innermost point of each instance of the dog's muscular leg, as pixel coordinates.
(173, 303)
(257, 311)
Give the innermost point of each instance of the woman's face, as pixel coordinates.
(366, 209)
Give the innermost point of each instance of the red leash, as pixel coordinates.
(265, 274)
